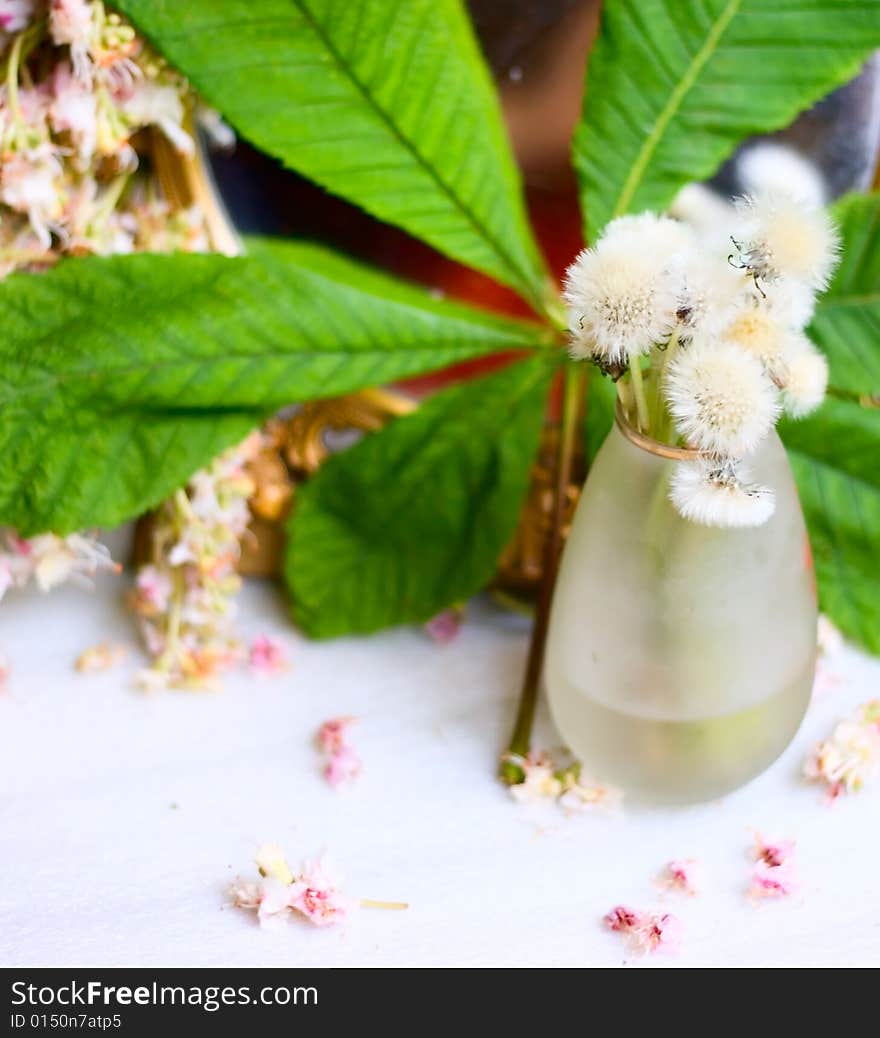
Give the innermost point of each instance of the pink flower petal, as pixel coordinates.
(772, 881)
(645, 931)
(343, 767)
(444, 627)
(773, 874)
(315, 896)
(773, 853)
(333, 734)
(266, 656)
(683, 875)
(624, 918)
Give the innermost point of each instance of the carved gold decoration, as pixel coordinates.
(295, 448)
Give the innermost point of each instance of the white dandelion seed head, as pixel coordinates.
(720, 398)
(805, 378)
(774, 167)
(779, 236)
(621, 298)
(711, 293)
(791, 302)
(661, 236)
(756, 330)
(719, 493)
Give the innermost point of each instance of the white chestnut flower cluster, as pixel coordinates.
(79, 86)
(721, 326)
(185, 596)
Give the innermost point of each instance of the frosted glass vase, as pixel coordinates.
(680, 657)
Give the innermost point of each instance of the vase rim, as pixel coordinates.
(652, 446)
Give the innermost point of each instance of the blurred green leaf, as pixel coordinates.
(121, 376)
(412, 519)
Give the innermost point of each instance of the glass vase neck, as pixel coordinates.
(652, 446)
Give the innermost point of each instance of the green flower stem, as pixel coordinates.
(171, 651)
(21, 48)
(520, 741)
(637, 381)
(664, 421)
(12, 77)
(108, 201)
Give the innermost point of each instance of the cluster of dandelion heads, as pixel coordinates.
(719, 303)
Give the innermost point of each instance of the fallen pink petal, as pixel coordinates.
(850, 758)
(684, 875)
(342, 763)
(333, 734)
(244, 893)
(772, 881)
(313, 893)
(316, 896)
(580, 793)
(100, 657)
(266, 657)
(659, 932)
(274, 903)
(444, 627)
(540, 782)
(622, 917)
(773, 872)
(572, 790)
(773, 853)
(645, 932)
(343, 767)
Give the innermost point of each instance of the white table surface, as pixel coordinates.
(100, 869)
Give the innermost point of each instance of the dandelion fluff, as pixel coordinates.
(711, 293)
(717, 494)
(720, 398)
(771, 166)
(660, 236)
(805, 380)
(781, 237)
(791, 302)
(621, 298)
(756, 330)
